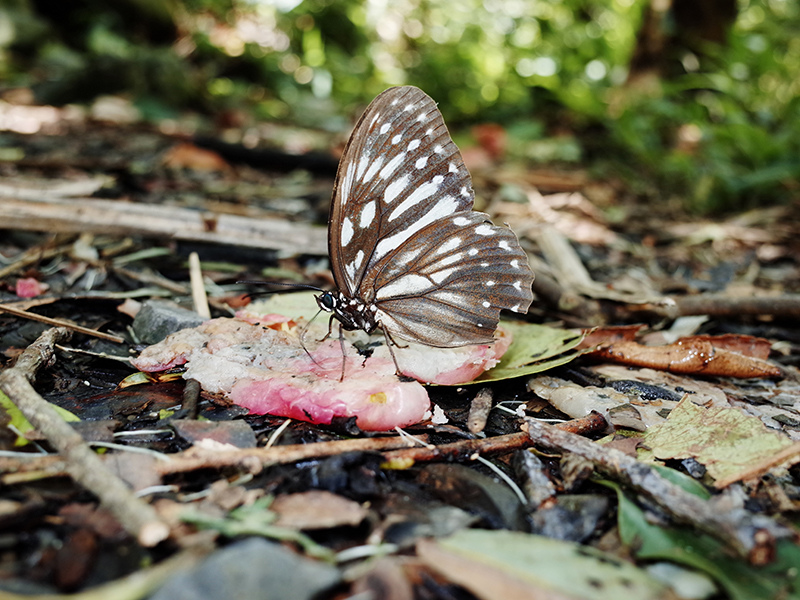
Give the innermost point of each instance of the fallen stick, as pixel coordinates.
(18, 312)
(465, 449)
(114, 217)
(84, 466)
(751, 536)
(255, 459)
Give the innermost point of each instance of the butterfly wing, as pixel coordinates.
(403, 236)
(450, 294)
(389, 183)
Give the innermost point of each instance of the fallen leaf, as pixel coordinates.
(513, 565)
(698, 356)
(316, 509)
(729, 443)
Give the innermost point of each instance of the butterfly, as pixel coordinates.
(409, 255)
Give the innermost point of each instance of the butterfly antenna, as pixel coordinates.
(290, 287)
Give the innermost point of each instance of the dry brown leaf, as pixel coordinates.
(697, 356)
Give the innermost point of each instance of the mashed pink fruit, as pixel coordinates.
(260, 363)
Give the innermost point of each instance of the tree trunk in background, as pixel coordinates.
(674, 31)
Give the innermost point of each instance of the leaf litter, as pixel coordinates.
(732, 438)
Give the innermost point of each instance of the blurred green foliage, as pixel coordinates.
(724, 135)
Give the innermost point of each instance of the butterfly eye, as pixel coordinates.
(326, 301)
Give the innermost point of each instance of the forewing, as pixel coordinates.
(447, 284)
(400, 173)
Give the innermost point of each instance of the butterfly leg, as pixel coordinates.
(389, 343)
(341, 345)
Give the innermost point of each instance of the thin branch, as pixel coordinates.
(465, 449)
(85, 467)
(255, 459)
(60, 323)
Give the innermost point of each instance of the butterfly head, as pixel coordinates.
(350, 312)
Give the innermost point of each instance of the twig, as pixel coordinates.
(199, 297)
(720, 305)
(752, 536)
(587, 310)
(85, 467)
(60, 323)
(255, 459)
(465, 449)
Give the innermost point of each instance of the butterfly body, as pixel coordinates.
(408, 253)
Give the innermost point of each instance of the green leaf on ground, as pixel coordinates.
(490, 563)
(20, 424)
(535, 348)
(740, 580)
(257, 519)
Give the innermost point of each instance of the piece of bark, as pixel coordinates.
(79, 215)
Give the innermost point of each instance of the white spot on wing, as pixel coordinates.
(426, 190)
(484, 229)
(384, 128)
(449, 260)
(448, 297)
(367, 215)
(413, 145)
(449, 245)
(517, 285)
(350, 271)
(347, 183)
(395, 188)
(407, 257)
(408, 108)
(347, 231)
(438, 149)
(516, 308)
(362, 166)
(452, 168)
(397, 138)
(373, 168)
(504, 245)
(440, 276)
(514, 263)
(408, 285)
(422, 117)
(421, 162)
(359, 259)
(461, 221)
(490, 283)
(486, 304)
(472, 251)
(392, 165)
(441, 209)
